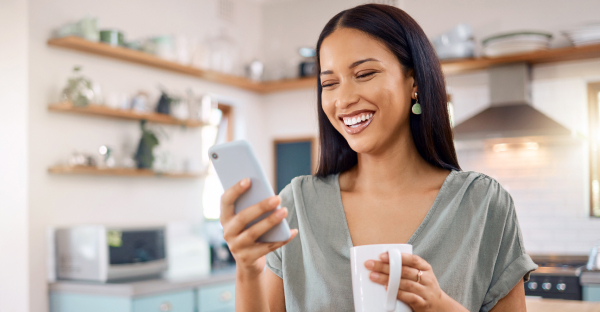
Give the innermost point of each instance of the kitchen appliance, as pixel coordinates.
(189, 252)
(557, 277)
(510, 113)
(101, 253)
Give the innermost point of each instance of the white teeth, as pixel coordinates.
(350, 121)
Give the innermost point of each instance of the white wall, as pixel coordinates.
(549, 187)
(14, 292)
(558, 90)
(68, 200)
(288, 115)
(289, 25)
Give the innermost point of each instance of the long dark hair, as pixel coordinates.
(431, 131)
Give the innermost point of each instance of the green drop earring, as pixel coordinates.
(416, 108)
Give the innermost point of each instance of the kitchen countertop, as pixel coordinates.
(143, 287)
(558, 305)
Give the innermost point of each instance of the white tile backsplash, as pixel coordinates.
(549, 189)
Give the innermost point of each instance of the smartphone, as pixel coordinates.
(235, 161)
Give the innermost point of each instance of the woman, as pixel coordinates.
(388, 173)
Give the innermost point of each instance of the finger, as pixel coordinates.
(377, 266)
(415, 262)
(251, 234)
(410, 274)
(265, 248)
(384, 257)
(413, 287)
(379, 278)
(411, 299)
(228, 199)
(409, 260)
(238, 223)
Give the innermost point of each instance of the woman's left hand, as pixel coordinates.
(425, 295)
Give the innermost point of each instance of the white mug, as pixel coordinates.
(368, 295)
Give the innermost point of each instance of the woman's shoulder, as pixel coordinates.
(310, 184)
(306, 191)
(482, 191)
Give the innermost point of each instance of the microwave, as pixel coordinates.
(102, 254)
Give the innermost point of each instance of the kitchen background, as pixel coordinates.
(549, 184)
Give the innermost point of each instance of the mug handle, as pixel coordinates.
(394, 280)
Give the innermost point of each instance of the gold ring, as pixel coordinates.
(419, 276)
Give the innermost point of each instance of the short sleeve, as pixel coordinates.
(512, 262)
(274, 258)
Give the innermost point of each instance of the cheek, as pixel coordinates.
(390, 102)
(329, 109)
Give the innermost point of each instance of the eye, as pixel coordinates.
(327, 84)
(365, 75)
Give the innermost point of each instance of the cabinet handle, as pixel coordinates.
(226, 296)
(165, 307)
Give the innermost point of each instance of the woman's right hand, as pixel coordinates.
(250, 255)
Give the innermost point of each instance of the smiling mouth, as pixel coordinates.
(357, 121)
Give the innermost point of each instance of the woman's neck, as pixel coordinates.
(398, 166)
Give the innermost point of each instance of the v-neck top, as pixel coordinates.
(470, 236)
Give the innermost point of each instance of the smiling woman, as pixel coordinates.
(387, 174)
(405, 55)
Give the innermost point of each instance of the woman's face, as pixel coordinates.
(366, 95)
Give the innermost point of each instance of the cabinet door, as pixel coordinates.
(218, 298)
(172, 302)
(69, 302)
(591, 293)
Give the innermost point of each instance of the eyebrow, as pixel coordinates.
(328, 72)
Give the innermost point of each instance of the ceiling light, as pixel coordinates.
(503, 147)
(532, 146)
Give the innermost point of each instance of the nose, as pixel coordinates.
(346, 96)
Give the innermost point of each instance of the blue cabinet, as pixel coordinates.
(73, 302)
(591, 293)
(211, 297)
(218, 298)
(173, 302)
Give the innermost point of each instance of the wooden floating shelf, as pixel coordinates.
(537, 57)
(99, 110)
(134, 56)
(449, 66)
(123, 172)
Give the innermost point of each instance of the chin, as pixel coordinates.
(362, 145)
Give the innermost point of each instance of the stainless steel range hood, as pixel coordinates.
(510, 114)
